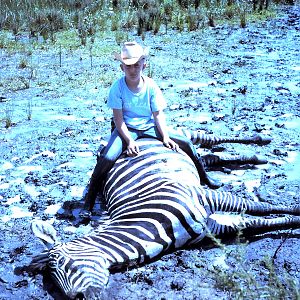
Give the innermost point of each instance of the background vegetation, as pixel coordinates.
(44, 18)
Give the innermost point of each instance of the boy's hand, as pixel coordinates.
(170, 144)
(132, 149)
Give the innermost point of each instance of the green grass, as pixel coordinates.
(85, 19)
(9, 111)
(246, 278)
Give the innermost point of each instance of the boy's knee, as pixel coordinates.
(106, 159)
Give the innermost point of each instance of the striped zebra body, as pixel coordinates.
(151, 211)
(156, 205)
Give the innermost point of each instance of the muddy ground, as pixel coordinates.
(223, 80)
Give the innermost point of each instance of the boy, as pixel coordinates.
(137, 104)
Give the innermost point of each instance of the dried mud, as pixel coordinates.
(223, 80)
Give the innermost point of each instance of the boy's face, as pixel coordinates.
(134, 72)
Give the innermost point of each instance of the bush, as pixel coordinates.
(46, 17)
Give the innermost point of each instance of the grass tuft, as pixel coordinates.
(246, 278)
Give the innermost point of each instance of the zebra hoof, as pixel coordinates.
(258, 160)
(85, 214)
(261, 140)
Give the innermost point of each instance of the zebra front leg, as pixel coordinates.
(206, 140)
(209, 140)
(213, 160)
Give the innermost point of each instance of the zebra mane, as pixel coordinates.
(39, 262)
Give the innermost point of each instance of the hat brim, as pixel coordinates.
(131, 61)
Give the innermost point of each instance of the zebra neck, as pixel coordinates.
(126, 245)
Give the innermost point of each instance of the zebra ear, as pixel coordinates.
(45, 232)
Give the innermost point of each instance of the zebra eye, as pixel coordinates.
(51, 264)
(60, 261)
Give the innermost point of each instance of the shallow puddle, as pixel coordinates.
(294, 163)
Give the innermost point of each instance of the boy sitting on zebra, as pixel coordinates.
(137, 104)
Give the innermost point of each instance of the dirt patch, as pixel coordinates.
(223, 80)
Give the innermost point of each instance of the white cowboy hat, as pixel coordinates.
(131, 53)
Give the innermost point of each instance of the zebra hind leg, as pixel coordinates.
(225, 224)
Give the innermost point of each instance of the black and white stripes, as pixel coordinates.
(156, 205)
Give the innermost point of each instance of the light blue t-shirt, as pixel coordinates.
(137, 107)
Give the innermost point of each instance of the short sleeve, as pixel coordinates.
(114, 96)
(157, 100)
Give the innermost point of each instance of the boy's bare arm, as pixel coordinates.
(132, 147)
(160, 121)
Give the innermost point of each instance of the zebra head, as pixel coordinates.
(78, 269)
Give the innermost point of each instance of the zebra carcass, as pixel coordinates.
(156, 205)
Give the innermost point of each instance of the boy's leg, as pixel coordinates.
(105, 162)
(187, 146)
